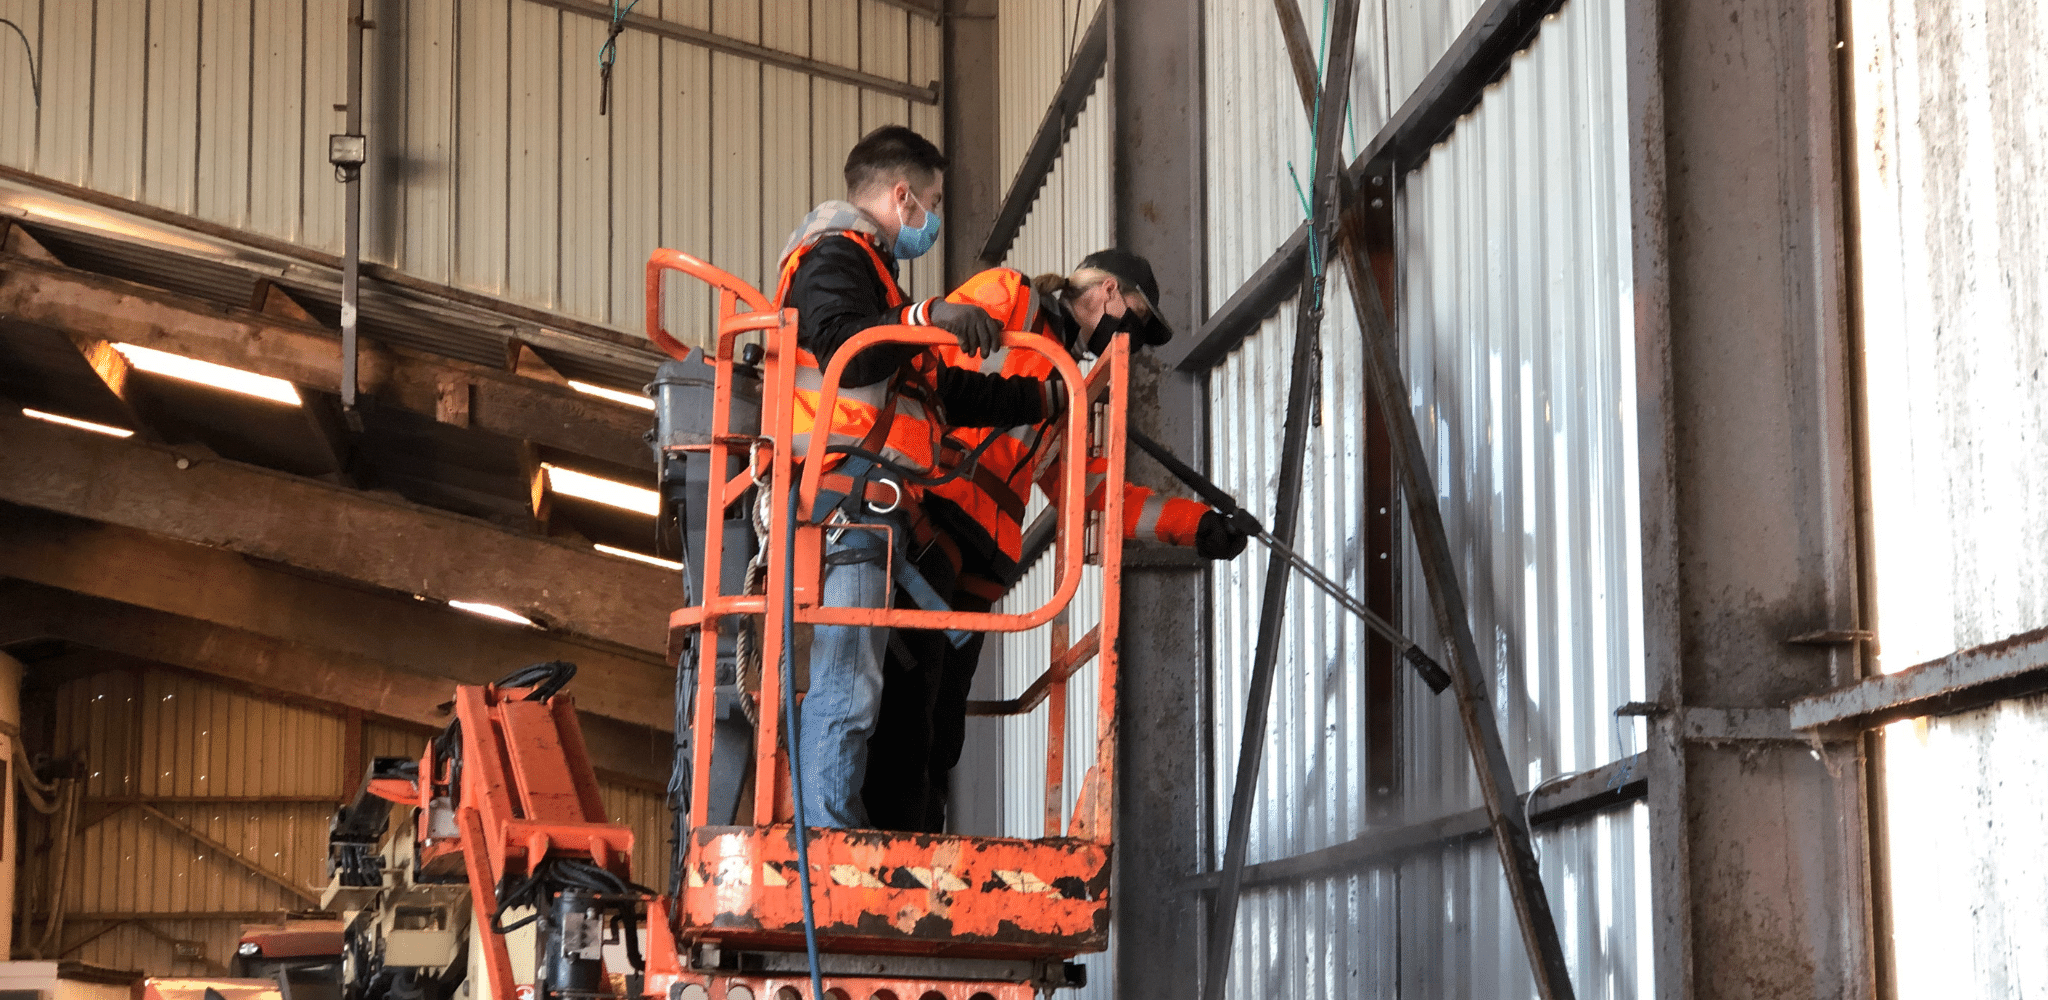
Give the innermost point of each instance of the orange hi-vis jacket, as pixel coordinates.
(889, 417)
(993, 497)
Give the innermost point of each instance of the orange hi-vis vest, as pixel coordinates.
(993, 497)
(890, 417)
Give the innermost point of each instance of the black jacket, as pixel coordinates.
(837, 293)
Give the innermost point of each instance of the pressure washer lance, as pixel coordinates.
(1244, 523)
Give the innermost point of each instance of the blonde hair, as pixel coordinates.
(1072, 285)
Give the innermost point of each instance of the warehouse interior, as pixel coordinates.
(1668, 371)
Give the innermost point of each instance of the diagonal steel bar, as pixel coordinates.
(1329, 122)
(1509, 823)
(1511, 836)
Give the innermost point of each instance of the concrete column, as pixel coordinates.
(974, 191)
(1155, 89)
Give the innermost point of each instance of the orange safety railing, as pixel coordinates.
(1095, 401)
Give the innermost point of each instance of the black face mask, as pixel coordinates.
(1145, 331)
(1109, 326)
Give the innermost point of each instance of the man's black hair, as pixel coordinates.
(887, 153)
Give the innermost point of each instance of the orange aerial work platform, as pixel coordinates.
(897, 916)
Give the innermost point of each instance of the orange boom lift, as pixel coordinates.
(893, 916)
(506, 799)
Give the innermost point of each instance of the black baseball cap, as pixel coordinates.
(1133, 271)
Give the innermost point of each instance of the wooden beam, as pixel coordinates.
(325, 639)
(94, 306)
(199, 836)
(570, 589)
(113, 635)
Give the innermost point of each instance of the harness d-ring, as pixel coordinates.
(894, 502)
(754, 458)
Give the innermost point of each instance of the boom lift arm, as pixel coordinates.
(506, 799)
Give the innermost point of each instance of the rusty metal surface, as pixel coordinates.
(918, 893)
(1954, 683)
(719, 986)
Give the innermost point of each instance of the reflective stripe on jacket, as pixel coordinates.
(890, 417)
(992, 500)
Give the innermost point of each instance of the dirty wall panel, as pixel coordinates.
(277, 119)
(326, 95)
(482, 97)
(1952, 220)
(426, 246)
(687, 151)
(223, 113)
(19, 120)
(533, 213)
(119, 78)
(587, 280)
(639, 177)
(171, 132)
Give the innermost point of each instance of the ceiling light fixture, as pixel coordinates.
(84, 425)
(493, 611)
(624, 496)
(613, 550)
(616, 396)
(207, 373)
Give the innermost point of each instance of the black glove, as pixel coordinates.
(1218, 537)
(980, 335)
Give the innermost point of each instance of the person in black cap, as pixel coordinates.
(978, 519)
(1112, 291)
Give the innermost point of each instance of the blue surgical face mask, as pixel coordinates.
(914, 243)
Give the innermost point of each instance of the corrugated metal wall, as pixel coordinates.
(1952, 158)
(1257, 129)
(1516, 315)
(1036, 40)
(490, 168)
(1071, 218)
(165, 751)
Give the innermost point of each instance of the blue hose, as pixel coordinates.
(790, 721)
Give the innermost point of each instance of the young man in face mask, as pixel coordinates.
(839, 272)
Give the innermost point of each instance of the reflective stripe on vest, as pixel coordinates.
(1008, 296)
(908, 436)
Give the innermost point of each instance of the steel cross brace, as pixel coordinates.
(1511, 833)
(1329, 166)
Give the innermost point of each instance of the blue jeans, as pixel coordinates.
(845, 695)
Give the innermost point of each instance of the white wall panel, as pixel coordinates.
(1259, 140)
(1952, 159)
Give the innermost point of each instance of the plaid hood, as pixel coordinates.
(828, 218)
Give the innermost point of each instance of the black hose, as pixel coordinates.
(546, 679)
(791, 721)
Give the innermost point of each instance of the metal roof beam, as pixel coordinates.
(759, 53)
(335, 532)
(88, 307)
